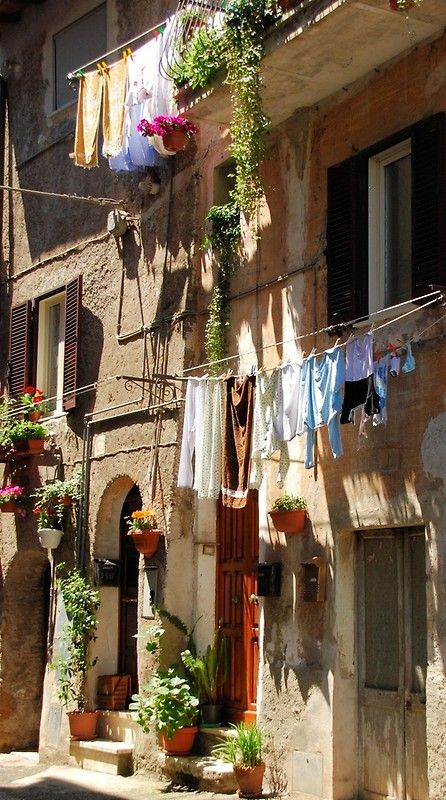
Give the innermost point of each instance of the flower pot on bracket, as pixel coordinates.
(50, 538)
(146, 541)
(175, 141)
(181, 742)
(36, 446)
(9, 508)
(289, 521)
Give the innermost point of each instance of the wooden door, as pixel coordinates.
(393, 658)
(237, 608)
(128, 627)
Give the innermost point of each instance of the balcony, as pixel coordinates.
(321, 47)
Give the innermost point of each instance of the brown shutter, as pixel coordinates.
(20, 347)
(347, 254)
(72, 325)
(428, 204)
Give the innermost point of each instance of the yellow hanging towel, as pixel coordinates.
(115, 92)
(87, 122)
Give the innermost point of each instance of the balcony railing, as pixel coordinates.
(189, 16)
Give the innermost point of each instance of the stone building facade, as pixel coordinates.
(352, 688)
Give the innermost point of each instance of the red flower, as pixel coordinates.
(29, 390)
(36, 510)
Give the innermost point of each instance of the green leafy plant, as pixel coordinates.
(167, 702)
(200, 59)
(25, 429)
(405, 5)
(209, 670)
(81, 604)
(244, 749)
(289, 502)
(244, 27)
(224, 239)
(54, 499)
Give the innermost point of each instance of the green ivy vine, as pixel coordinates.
(223, 239)
(245, 24)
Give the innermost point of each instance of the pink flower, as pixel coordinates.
(162, 125)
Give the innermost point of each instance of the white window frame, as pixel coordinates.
(43, 336)
(376, 220)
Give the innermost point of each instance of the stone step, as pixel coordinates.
(103, 755)
(207, 738)
(199, 772)
(119, 726)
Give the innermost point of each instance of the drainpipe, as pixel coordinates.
(2, 151)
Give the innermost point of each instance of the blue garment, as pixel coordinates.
(380, 375)
(323, 400)
(409, 364)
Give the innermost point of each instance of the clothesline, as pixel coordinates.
(330, 329)
(88, 199)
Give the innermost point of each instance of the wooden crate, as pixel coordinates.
(113, 691)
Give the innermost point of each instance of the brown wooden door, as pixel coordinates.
(237, 609)
(129, 594)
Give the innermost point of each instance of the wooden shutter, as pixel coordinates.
(73, 302)
(428, 204)
(347, 248)
(20, 347)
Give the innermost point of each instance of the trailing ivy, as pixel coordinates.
(200, 59)
(224, 239)
(245, 25)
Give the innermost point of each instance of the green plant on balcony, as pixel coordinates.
(224, 239)
(199, 60)
(244, 26)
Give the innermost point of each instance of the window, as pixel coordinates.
(385, 233)
(43, 345)
(77, 44)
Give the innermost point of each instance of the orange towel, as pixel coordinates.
(87, 122)
(237, 440)
(115, 92)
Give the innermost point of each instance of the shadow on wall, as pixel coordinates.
(91, 346)
(25, 607)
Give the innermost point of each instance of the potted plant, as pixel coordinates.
(9, 496)
(289, 514)
(168, 703)
(27, 435)
(33, 403)
(144, 532)
(49, 526)
(174, 131)
(209, 672)
(244, 751)
(81, 604)
(403, 5)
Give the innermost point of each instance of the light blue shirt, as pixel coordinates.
(322, 399)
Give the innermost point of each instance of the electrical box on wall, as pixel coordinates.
(269, 579)
(315, 579)
(106, 572)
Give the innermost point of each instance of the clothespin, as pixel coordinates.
(79, 74)
(337, 341)
(127, 53)
(313, 351)
(99, 68)
(392, 348)
(104, 66)
(377, 355)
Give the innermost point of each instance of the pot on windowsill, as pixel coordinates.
(146, 540)
(49, 538)
(34, 416)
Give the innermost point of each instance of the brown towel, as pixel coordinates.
(237, 440)
(115, 91)
(87, 122)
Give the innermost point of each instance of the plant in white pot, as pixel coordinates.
(81, 603)
(52, 508)
(289, 513)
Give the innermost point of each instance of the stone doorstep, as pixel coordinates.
(207, 773)
(103, 755)
(119, 726)
(207, 738)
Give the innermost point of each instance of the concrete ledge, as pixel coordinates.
(102, 755)
(207, 773)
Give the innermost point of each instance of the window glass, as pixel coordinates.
(397, 231)
(79, 43)
(50, 350)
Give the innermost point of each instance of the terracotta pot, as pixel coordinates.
(285, 5)
(289, 521)
(250, 779)
(175, 141)
(9, 508)
(34, 416)
(146, 541)
(393, 4)
(50, 538)
(181, 742)
(36, 445)
(65, 501)
(20, 445)
(83, 724)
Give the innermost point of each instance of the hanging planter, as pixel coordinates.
(8, 498)
(10, 507)
(174, 131)
(36, 446)
(289, 514)
(175, 141)
(50, 538)
(146, 541)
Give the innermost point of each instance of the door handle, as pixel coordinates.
(253, 599)
(235, 599)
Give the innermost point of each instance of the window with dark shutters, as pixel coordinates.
(72, 327)
(20, 347)
(428, 204)
(347, 220)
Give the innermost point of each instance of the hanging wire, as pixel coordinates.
(89, 199)
(330, 329)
